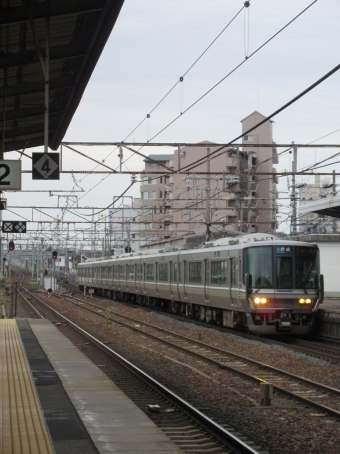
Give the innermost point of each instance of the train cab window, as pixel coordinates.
(284, 272)
(195, 272)
(150, 272)
(219, 272)
(163, 272)
(307, 267)
(131, 272)
(258, 263)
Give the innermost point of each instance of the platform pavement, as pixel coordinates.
(113, 421)
(53, 399)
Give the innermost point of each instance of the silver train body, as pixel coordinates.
(258, 283)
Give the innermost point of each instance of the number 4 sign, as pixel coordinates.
(45, 166)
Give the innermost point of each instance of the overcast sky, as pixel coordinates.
(154, 42)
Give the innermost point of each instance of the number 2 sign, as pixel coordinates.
(45, 166)
(10, 175)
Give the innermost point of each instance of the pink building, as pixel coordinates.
(180, 204)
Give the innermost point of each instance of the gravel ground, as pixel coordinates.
(285, 427)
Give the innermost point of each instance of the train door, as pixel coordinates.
(171, 284)
(156, 278)
(144, 278)
(206, 281)
(185, 279)
(135, 276)
(234, 282)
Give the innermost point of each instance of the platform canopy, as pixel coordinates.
(329, 206)
(77, 31)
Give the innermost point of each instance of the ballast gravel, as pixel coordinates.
(285, 427)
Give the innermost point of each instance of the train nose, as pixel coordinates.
(285, 322)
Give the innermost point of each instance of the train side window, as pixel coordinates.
(195, 272)
(150, 272)
(131, 272)
(219, 272)
(109, 272)
(163, 272)
(104, 272)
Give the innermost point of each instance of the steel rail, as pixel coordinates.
(204, 420)
(230, 368)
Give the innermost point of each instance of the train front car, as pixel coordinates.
(283, 287)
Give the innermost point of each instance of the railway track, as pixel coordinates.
(311, 348)
(188, 427)
(317, 395)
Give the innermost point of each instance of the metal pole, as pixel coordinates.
(4, 116)
(294, 167)
(207, 203)
(2, 148)
(47, 75)
(53, 275)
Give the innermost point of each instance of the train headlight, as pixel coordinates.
(305, 301)
(259, 300)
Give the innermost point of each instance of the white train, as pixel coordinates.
(257, 282)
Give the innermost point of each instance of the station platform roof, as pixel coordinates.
(329, 206)
(79, 30)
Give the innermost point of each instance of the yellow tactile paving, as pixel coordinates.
(22, 426)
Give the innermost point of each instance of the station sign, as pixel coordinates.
(10, 175)
(14, 226)
(45, 166)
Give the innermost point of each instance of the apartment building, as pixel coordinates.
(180, 204)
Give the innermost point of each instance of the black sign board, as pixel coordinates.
(14, 226)
(45, 166)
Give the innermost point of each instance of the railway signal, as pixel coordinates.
(11, 246)
(54, 255)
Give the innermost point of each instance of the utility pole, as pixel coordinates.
(207, 203)
(293, 229)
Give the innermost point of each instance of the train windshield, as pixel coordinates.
(258, 264)
(307, 267)
(282, 267)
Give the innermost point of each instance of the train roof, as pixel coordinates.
(254, 239)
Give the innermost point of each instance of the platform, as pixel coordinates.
(83, 411)
(22, 424)
(328, 320)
